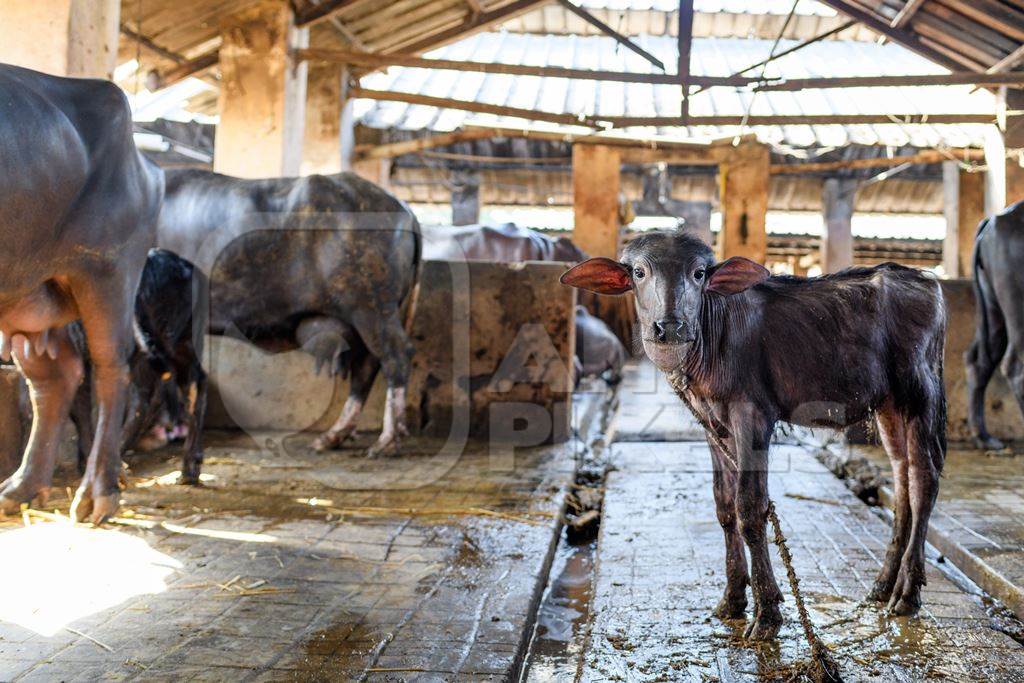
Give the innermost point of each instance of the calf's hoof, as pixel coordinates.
(904, 606)
(190, 470)
(879, 593)
(95, 509)
(766, 624)
(730, 608)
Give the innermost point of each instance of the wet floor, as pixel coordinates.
(278, 569)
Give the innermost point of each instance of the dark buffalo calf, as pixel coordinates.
(166, 371)
(999, 333)
(829, 351)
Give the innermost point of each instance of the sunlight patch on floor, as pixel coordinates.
(56, 573)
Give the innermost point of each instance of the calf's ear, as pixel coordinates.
(734, 275)
(601, 275)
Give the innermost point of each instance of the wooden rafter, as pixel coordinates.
(902, 36)
(473, 24)
(191, 67)
(148, 43)
(372, 60)
(906, 13)
(684, 42)
(608, 30)
(955, 78)
(631, 121)
(931, 156)
(321, 11)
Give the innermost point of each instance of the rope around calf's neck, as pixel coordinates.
(825, 668)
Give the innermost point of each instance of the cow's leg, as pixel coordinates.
(751, 436)
(385, 338)
(924, 457)
(734, 602)
(106, 307)
(364, 372)
(1013, 368)
(982, 358)
(52, 387)
(893, 429)
(195, 416)
(81, 417)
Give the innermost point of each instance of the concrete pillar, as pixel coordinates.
(61, 37)
(837, 211)
(1004, 144)
(964, 196)
(595, 203)
(262, 94)
(375, 170)
(743, 182)
(321, 142)
(466, 198)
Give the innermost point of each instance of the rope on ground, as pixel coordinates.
(824, 667)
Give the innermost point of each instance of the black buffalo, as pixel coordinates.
(323, 263)
(828, 351)
(167, 377)
(78, 210)
(999, 301)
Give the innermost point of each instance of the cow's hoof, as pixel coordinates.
(989, 443)
(16, 492)
(384, 448)
(330, 441)
(730, 608)
(87, 508)
(766, 624)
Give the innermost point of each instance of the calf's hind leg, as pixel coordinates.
(893, 429)
(924, 457)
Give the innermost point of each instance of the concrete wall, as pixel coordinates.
(494, 345)
(1004, 418)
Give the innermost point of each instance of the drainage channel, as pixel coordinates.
(560, 629)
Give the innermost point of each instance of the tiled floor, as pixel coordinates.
(979, 519)
(660, 572)
(244, 579)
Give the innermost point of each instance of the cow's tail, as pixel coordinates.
(981, 305)
(414, 293)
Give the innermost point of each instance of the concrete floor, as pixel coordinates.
(295, 566)
(268, 573)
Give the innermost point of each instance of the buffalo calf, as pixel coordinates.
(757, 349)
(167, 377)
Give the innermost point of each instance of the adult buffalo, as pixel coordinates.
(322, 263)
(78, 209)
(597, 348)
(999, 331)
(506, 243)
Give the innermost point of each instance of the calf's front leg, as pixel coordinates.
(734, 603)
(751, 436)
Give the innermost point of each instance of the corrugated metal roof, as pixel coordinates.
(712, 18)
(713, 57)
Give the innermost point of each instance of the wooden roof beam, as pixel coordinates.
(147, 43)
(156, 80)
(931, 156)
(473, 24)
(656, 121)
(684, 42)
(1013, 79)
(321, 11)
(376, 61)
(608, 30)
(905, 14)
(905, 38)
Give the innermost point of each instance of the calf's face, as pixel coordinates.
(670, 273)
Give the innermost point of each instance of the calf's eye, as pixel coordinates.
(699, 275)
(638, 273)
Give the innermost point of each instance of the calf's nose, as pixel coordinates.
(670, 331)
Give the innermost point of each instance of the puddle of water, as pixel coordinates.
(560, 633)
